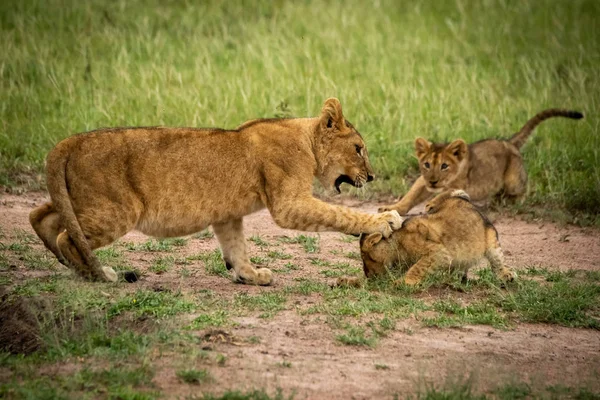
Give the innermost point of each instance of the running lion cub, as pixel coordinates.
(483, 169)
(453, 234)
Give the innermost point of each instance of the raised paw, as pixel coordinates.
(391, 221)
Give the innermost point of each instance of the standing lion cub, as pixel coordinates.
(168, 182)
(483, 169)
(453, 234)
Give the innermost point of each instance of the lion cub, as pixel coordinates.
(483, 169)
(168, 182)
(452, 235)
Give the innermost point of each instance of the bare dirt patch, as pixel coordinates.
(298, 352)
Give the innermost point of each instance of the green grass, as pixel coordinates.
(402, 70)
(148, 302)
(213, 262)
(157, 245)
(194, 376)
(309, 243)
(161, 265)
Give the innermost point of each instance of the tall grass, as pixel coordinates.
(402, 69)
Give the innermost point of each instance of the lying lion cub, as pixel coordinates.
(483, 169)
(452, 235)
(168, 182)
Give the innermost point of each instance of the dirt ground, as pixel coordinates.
(413, 355)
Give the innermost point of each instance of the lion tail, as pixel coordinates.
(519, 138)
(59, 192)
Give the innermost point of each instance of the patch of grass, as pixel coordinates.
(251, 395)
(309, 243)
(287, 268)
(257, 240)
(213, 262)
(381, 367)
(356, 336)
(148, 302)
(260, 260)
(559, 302)
(453, 314)
(35, 260)
(278, 255)
(254, 339)
(306, 286)
(285, 364)
(157, 245)
(205, 234)
(268, 302)
(348, 238)
(353, 255)
(161, 265)
(194, 376)
(212, 319)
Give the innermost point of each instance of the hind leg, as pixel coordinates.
(437, 258)
(515, 178)
(101, 227)
(46, 224)
(494, 255)
(233, 245)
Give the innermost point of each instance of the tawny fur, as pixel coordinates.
(483, 169)
(168, 182)
(452, 235)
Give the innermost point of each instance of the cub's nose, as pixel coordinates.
(433, 183)
(370, 177)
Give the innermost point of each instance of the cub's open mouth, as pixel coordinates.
(342, 179)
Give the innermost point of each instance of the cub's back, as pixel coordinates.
(461, 228)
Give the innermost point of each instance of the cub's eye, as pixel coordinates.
(427, 165)
(358, 149)
(444, 166)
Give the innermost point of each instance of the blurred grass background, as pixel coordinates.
(439, 69)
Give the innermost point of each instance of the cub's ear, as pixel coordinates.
(422, 146)
(368, 241)
(331, 114)
(458, 149)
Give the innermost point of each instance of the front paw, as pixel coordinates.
(390, 221)
(507, 275)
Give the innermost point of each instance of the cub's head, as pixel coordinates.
(376, 253)
(440, 163)
(341, 151)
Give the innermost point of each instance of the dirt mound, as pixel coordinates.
(20, 324)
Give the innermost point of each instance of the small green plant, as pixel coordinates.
(213, 262)
(285, 364)
(221, 359)
(203, 235)
(277, 255)
(348, 238)
(162, 264)
(213, 319)
(356, 336)
(309, 243)
(194, 376)
(254, 339)
(157, 245)
(257, 240)
(381, 367)
(260, 260)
